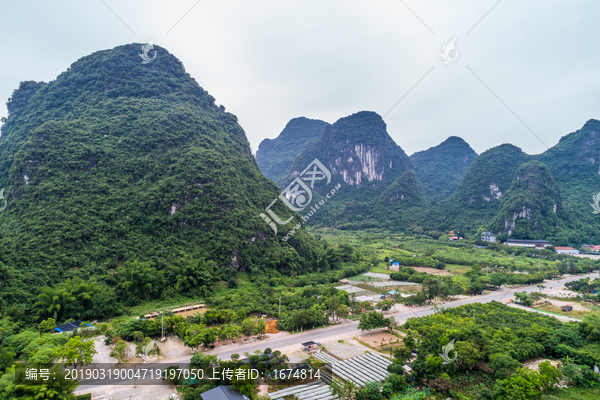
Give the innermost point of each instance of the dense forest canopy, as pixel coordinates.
(128, 170)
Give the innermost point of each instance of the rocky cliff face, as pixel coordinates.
(361, 157)
(358, 151)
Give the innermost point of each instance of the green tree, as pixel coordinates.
(7, 356)
(524, 384)
(194, 275)
(208, 337)
(341, 311)
(247, 327)
(524, 298)
(371, 391)
(120, 351)
(47, 325)
(397, 381)
(243, 381)
(468, 354)
(203, 361)
(261, 327)
(590, 326)
(233, 332)
(140, 279)
(549, 375)
(503, 365)
(138, 336)
(52, 302)
(386, 305)
(347, 390)
(402, 354)
(76, 352)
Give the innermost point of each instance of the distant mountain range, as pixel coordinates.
(449, 187)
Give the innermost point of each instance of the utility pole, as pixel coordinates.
(279, 306)
(162, 326)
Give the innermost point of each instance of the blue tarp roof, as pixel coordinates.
(70, 326)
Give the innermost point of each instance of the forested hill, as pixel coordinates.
(441, 168)
(575, 165)
(532, 206)
(275, 156)
(118, 161)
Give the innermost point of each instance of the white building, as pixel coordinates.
(488, 237)
(527, 243)
(566, 250)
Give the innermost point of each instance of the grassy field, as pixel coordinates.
(574, 393)
(371, 288)
(374, 245)
(362, 278)
(558, 311)
(457, 269)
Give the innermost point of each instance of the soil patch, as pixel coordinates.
(576, 306)
(380, 340)
(272, 326)
(535, 363)
(433, 271)
(554, 306)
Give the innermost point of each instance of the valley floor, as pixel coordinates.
(290, 343)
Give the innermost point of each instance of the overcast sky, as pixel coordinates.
(268, 61)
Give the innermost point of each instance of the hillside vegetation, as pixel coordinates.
(441, 168)
(275, 156)
(129, 170)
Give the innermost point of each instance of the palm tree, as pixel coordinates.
(139, 279)
(193, 274)
(53, 301)
(82, 290)
(346, 391)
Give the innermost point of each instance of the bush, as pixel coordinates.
(441, 383)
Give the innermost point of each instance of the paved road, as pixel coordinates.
(349, 328)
